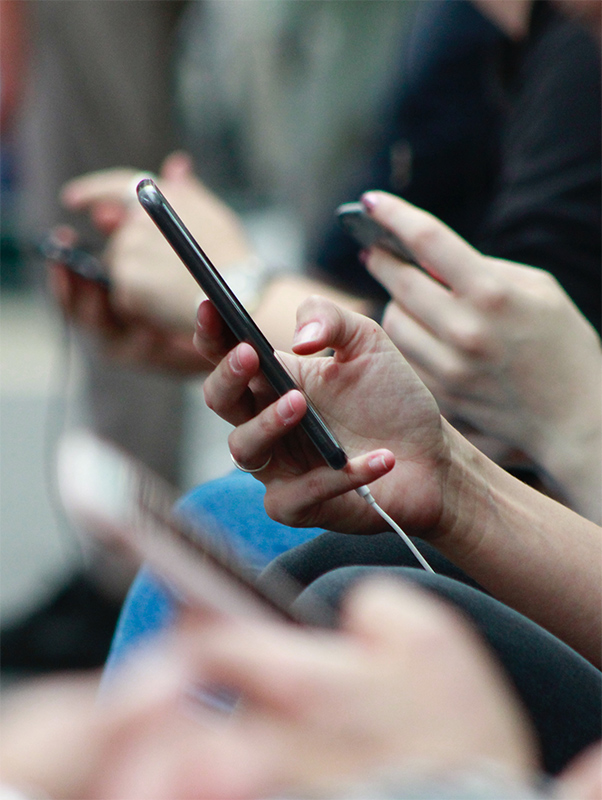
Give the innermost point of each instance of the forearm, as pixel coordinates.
(579, 480)
(529, 551)
(572, 458)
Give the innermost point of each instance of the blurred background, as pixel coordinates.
(278, 102)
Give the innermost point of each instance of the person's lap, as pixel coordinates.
(310, 559)
(561, 691)
(235, 503)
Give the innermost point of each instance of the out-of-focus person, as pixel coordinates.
(363, 712)
(542, 210)
(94, 90)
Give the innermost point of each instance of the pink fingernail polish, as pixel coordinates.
(370, 200)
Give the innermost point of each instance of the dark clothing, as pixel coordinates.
(309, 560)
(546, 208)
(561, 691)
(500, 140)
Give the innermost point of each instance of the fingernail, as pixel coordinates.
(377, 463)
(235, 364)
(286, 412)
(362, 256)
(308, 333)
(370, 200)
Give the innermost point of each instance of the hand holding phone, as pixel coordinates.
(235, 315)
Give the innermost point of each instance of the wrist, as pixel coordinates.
(466, 497)
(248, 279)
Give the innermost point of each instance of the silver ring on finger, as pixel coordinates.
(246, 469)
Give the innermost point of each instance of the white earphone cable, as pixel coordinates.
(364, 492)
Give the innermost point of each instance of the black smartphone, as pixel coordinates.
(123, 503)
(354, 218)
(77, 260)
(235, 315)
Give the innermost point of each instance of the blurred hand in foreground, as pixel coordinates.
(405, 685)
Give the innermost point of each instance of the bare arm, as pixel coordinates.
(151, 291)
(529, 551)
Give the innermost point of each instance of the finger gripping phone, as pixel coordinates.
(235, 315)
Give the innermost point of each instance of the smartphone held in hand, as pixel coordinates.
(76, 259)
(235, 315)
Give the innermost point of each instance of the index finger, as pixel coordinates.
(108, 185)
(212, 337)
(437, 248)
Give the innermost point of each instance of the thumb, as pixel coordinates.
(323, 324)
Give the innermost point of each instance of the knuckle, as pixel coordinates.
(275, 509)
(402, 286)
(491, 295)
(550, 290)
(544, 279)
(266, 423)
(472, 340)
(455, 374)
(390, 318)
(297, 504)
(238, 452)
(209, 394)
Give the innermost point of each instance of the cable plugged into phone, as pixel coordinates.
(364, 492)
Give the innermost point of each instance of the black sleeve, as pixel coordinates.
(439, 131)
(547, 207)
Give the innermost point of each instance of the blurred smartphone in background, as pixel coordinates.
(76, 259)
(354, 218)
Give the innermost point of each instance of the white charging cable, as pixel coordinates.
(364, 492)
